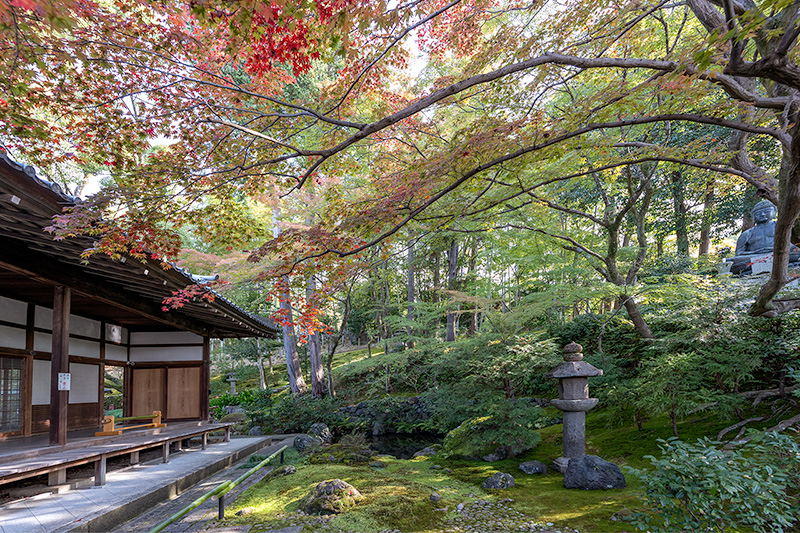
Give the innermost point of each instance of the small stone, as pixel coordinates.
(436, 467)
(430, 450)
(377, 464)
(245, 511)
(500, 480)
(533, 467)
(550, 524)
(460, 507)
(281, 471)
(623, 515)
(255, 430)
(435, 497)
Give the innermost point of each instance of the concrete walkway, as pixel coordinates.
(200, 518)
(126, 493)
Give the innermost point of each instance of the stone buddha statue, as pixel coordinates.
(758, 240)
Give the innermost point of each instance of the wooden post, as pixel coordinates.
(59, 363)
(57, 477)
(205, 440)
(100, 471)
(27, 374)
(205, 378)
(227, 433)
(135, 458)
(165, 452)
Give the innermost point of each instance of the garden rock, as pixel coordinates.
(281, 471)
(498, 455)
(435, 496)
(500, 480)
(377, 464)
(330, 497)
(255, 430)
(230, 409)
(234, 417)
(430, 450)
(623, 515)
(321, 431)
(304, 443)
(533, 467)
(590, 472)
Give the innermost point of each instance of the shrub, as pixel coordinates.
(512, 426)
(700, 487)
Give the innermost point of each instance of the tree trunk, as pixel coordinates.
(315, 350)
(636, 317)
(436, 277)
(708, 215)
(472, 278)
(335, 344)
(411, 291)
(452, 265)
(261, 378)
(679, 203)
(296, 382)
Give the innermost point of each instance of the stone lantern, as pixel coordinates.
(573, 400)
(232, 380)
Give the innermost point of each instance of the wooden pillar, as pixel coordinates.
(205, 379)
(101, 382)
(27, 373)
(57, 477)
(165, 452)
(205, 440)
(59, 363)
(135, 457)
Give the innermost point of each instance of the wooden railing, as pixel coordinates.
(110, 427)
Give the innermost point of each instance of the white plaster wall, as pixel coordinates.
(42, 342)
(165, 337)
(13, 310)
(116, 353)
(84, 385)
(84, 348)
(84, 326)
(175, 353)
(44, 318)
(41, 382)
(11, 337)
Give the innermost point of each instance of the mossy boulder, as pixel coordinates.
(234, 417)
(333, 496)
(336, 453)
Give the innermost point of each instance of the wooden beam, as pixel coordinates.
(27, 373)
(59, 363)
(40, 266)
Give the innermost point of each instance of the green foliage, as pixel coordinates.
(255, 403)
(700, 487)
(511, 426)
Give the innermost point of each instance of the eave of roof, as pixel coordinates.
(28, 204)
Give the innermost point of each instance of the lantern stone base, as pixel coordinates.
(561, 464)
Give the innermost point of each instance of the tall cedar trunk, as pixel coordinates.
(708, 215)
(296, 382)
(452, 265)
(679, 204)
(471, 277)
(436, 277)
(375, 289)
(411, 291)
(261, 378)
(315, 350)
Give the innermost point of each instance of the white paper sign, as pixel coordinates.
(64, 380)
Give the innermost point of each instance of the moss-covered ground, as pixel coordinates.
(398, 496)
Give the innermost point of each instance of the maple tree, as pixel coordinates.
(265, 99)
